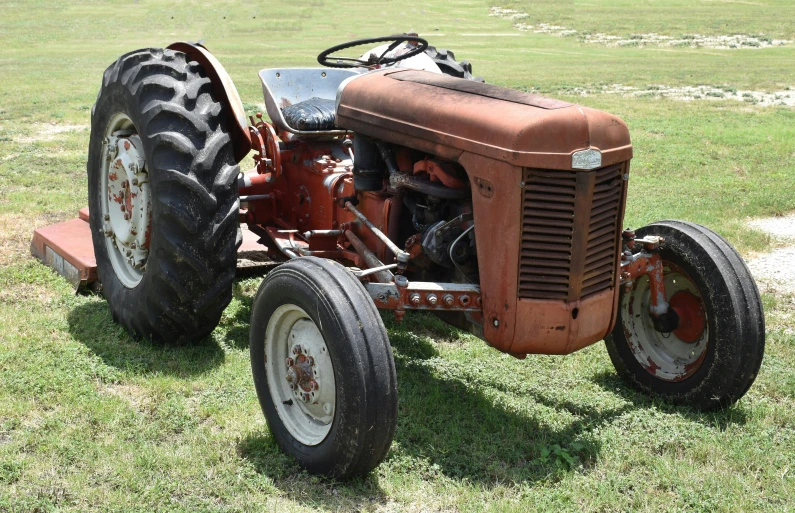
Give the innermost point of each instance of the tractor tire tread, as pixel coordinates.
(365, 434)
(189, 275)
(445, 59)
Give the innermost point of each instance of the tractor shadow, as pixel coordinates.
(718, 419)
(234, 325)
(449, 425)
(91, 324)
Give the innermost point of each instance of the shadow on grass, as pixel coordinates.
(235, 327)
(448, 427)
(719, 419)
(262, 452)
(91, 324)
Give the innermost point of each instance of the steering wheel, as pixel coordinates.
(349, 62)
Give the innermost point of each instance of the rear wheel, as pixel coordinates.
(714, 354)
(445, 59)
(323, 368)
(162, 199)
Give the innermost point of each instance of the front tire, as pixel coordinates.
(714, 355)
(323, 368)
(163, 203)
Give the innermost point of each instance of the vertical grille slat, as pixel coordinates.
(560, 258)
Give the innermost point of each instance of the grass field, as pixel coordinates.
(94, 420)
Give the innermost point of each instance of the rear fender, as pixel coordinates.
(225, 92)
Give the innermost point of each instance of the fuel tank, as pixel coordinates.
(547, 222)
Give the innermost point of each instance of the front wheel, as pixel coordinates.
(713, 356)
(323, 368)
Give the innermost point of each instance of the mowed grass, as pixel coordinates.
(94, 420)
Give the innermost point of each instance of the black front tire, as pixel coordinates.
(188, 277)
(735, 327)
(365, 413)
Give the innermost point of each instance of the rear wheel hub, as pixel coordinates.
(126, 201)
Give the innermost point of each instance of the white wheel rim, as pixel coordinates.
(665, 356)
(126, 201)
(308, 410)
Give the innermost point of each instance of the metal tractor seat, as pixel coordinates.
(302, 100)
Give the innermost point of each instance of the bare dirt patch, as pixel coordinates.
(133, 395)
(785, 98)
(48, 132)
(776, 270)
(16, 232)
(19, 294)
(721, 42)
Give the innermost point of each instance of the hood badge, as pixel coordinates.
(586, 159)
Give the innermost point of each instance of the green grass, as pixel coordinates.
(93, 420)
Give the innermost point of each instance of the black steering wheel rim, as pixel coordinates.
(323, 57)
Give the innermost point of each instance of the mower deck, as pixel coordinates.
(68, 249)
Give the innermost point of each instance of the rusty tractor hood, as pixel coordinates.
(450, 116)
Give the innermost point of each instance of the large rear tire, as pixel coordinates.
(445, 59)
(323, 368)
(713, 356)
(164, 208)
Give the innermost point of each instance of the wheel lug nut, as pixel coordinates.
(290, 362)
(432, 299)
(313, 385)
(311, 360)
(448, 299)
(293, 386)
(297, 349)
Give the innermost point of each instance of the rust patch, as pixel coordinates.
(484, 186)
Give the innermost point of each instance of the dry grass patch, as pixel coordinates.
(48, 132)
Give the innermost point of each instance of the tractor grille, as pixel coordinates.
(569, 232)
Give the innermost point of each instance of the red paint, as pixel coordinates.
(692, 319)
(439, 172)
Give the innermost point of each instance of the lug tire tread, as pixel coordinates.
(189, 275)
(445, 59)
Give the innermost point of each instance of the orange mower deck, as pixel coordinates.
(68, 249)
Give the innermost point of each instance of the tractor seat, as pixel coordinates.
(311, 115)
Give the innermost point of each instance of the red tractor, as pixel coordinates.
(396, 180)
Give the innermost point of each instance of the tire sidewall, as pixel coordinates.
(115, 98)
